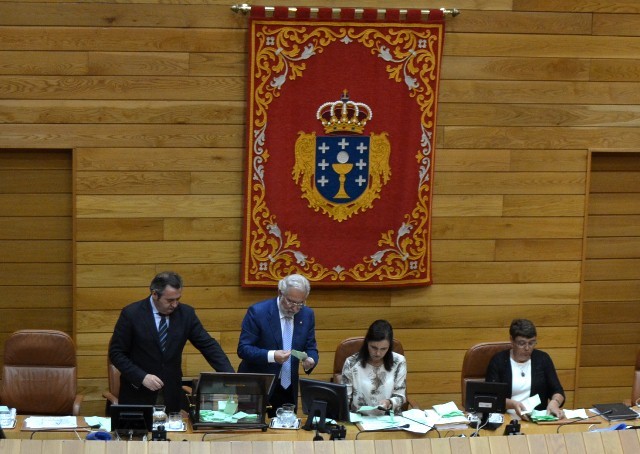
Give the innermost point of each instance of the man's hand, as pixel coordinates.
(281, 356)
(152, 382)
(308, 363)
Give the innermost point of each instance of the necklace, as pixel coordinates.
(522, 368)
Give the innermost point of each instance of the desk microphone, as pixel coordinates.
(608, 412)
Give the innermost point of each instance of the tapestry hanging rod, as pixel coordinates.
(245, 8)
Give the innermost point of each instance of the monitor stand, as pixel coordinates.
(318, 409)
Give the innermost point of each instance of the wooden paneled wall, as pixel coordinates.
(150, 97)
(35, 241)
(611, 311)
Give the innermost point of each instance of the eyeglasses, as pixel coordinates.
(294, 303)
(523, 344)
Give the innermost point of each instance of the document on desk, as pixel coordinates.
(368, 423)
(50, 422)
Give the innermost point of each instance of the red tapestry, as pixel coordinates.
(341, 141)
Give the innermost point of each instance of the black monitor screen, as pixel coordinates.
(323, 400)
(486, 397)
(131, 419)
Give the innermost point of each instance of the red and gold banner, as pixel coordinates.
(341, 141)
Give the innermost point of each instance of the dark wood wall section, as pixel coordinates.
(149, 96)
(611, 310)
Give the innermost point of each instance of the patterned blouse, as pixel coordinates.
(370, 385)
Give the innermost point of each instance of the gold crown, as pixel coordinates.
(344, 115)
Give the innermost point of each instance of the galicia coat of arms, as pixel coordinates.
(342, 172)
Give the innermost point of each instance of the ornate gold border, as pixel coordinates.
(411, 52)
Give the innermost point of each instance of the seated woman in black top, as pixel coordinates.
(528, 371)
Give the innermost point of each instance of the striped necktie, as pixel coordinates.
(163, 329)
(287, 334)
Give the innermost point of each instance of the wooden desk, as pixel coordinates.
(614, 442)
(275, 435)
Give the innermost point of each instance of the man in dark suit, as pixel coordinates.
(147, 343)
(271, 329)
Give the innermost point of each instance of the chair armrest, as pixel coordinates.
(113, 400)
(76, 404)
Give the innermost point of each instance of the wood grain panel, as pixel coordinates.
(486, 44)
(606, 355)
(151, 252)
(170, 206)
(160, 159)
(623, 24)
(538, 115)
(617, 247)
(611, 334)
(119, 229)
(522, 22)
(35, 181)
(467, 205)
(118, 15)
(203, 229)
(25, 251)
(123, 39)
(98, 182)
(122, 87)
(506, 272)
(611, 312)
(615, 70)
(533, 249)
(139, 63)
(35, 297)
(34, 227)
(547, 92)
(119, 112)
(514, 68)
(32, 159)
(606, 376)
(42, 273)
(509, 183)
(506, 228)
(69, 136)
(459, 250)
(620, 290)
(614, 204)
(607, 226)
(43, 63)
(552, 205)
(612, 269)
(608, 182)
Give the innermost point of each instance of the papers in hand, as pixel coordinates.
(51, 422)
(530, 403)
(300, 355)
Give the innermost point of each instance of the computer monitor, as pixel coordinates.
(131, 420)
(230, 401)
(486, 397)
(323, 400)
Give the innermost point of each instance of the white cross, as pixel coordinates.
(362, 147)
(323, 164)
(343, 143)
(361, 164)
(323, 148)
(361, 180)
(322, 181)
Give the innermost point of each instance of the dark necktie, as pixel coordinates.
(163, 329)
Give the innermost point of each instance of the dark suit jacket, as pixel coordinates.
(544, 379)
(261, 332)
(135, 352)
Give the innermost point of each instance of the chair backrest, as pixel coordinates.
(114, 378)
(40, 373)
(349, 347)
(635, 391)
(476, 360)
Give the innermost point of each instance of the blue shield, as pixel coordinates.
(342, 167)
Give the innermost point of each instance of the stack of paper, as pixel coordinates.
(51, 422)
(447, 417)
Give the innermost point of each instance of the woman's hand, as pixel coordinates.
(553, 408)
(386, 404)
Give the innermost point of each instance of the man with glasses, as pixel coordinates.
(277, 335)
(527, 370)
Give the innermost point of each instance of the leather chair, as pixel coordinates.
(351, 346)
(40, 373)
(635, 391)
(113, 376)
(476, 361)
